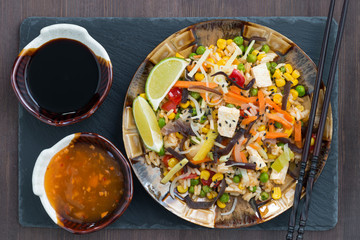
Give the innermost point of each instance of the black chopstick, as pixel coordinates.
(306, 148)
(322, 123)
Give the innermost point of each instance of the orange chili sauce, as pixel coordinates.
(83, 183)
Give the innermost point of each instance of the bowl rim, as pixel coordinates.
(40, 167)
(63, 31)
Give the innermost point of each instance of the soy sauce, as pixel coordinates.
(63, 76)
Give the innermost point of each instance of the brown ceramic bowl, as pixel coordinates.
(19, 72)
(38, 177)
(184, 42)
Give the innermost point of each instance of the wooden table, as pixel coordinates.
(13, 12)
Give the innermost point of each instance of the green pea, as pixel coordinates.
(203, 119)
(191, 189)
(225, 198)
(264, 196)
(265, 48)
(280, 144)
(252, 189)
(278, 125)
(193, 112)
(273, 64)
(251, 58)
(195, 95)
(194, 182)
(268, 65)
(254, 92)
(301, 90)
(192, 54)
(236, 179)
(177, 115)
(200, 50)
(161, 122)
(242, 48)
(264, 177)
(229, 105)
(283, 69)
(162, 151)
(238, 40)
(202, 193)
(241, 67)
(272, 70)
(206, 189)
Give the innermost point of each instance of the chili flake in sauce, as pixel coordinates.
(83, 183)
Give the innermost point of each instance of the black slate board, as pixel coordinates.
(128, 41)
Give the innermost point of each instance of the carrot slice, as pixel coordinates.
(243, 157)
(206, 159)
(248, 120)
(242, 98)
(261, 102)
(258, 140)
(297, 128)
(271, 126)
(276, 135)
(232, 100)
(253, 146)
(236, 152)
(276, 118)
(187, 84)
(235, 89)
(278, 109)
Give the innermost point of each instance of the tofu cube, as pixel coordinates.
(262, 75)
(227, 121)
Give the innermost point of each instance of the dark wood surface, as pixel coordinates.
(13, 12)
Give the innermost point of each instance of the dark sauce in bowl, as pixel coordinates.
(63, 76)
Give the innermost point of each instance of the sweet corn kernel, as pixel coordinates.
(199, 76)
(300, 107)
(214, 114)
(221, 43)
(181, 189)
(213, 194)
(261, 128)
(255, 52)
(210, 60)
(143, 95)
(276, 193)
(165, 172)
(209, 196)
(205, 174)
(270, 156)
(288, 77)
(241, 187)
(172, 162)
(272, 89)
(294, 94)
(211, 46)
(192, 104)
(226, 58)
(312, 142)
(265, 169)
(229, 41)
(288, 68)
(277, 73)
(205, 130)
(221, 62)
(220, 52)
(261, 56)
(280, 82)
(179, 135)
(179, 55)
(220, 204)
(295, 74)
(288, 131)
(218, 177)
(185, 105)
(295, 82)
(277, 99)
(171, 116)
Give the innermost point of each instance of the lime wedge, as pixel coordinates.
(162, 77)
(147, 125)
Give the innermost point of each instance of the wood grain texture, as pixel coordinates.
(13, 12)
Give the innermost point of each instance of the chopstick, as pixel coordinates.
(306, 148)
(322, 122)
(320, 132)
